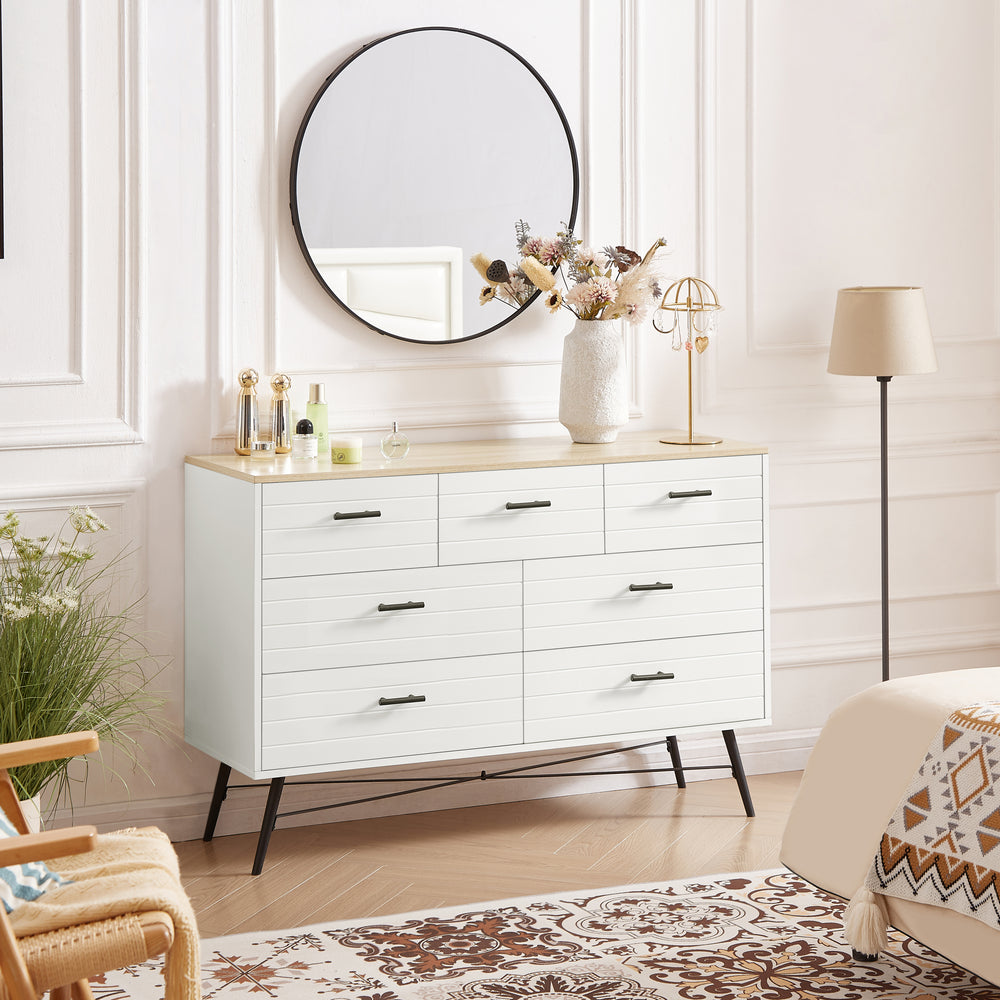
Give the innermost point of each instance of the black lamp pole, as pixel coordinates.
(883, 381)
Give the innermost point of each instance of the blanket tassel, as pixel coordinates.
(866, 924)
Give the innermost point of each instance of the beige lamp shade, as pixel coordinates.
(881, 331)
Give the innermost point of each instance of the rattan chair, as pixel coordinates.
(62, 960)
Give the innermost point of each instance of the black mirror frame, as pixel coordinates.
(296, 149)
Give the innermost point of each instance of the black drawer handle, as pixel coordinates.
(658, 676)
(408, 699)
(512, 505)
(684, 494)
(354, 514)
(651, 586)
(405, 606)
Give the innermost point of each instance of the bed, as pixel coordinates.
(857, 774)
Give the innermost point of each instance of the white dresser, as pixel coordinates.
(473, 599)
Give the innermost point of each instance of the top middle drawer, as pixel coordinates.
(349, 525)
(521, 514)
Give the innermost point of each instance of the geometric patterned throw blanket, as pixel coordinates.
(942, 844)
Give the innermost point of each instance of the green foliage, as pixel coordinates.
(69, 659)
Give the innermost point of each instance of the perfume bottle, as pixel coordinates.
(395, 444)
(281, 414)
(316, 411)
(304, 444)
(246, 411)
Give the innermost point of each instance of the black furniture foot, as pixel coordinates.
(267, 825)
(675, 761)
(738, 773)
(860, 956)
(218, 796)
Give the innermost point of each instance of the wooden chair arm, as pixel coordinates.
(47, 748)
(46, 845)
(157, 931)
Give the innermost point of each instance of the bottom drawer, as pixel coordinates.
(322, 718)
(572, 694)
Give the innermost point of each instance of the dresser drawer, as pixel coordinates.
(521, 514)
(349, 525)
(310, 623)
(684, 503)
(633, 596)
(322, 718)
(643, 686)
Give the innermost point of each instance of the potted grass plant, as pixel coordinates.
(70, 659)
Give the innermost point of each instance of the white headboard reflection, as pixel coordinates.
(412, 292)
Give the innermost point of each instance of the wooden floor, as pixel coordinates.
(367, 868)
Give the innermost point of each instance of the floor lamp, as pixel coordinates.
(882, 332)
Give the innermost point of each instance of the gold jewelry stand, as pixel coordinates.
(694, 298)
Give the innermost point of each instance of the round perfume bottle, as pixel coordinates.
(395, 444)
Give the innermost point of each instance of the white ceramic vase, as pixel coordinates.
(593, 392)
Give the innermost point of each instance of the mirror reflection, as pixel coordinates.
(420, 150)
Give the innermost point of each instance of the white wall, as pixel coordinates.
(785, 148)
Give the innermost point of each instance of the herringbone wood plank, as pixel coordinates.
(366, 868)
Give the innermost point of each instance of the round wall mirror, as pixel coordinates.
(423, 148)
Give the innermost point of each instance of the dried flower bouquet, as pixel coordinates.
(612, 283)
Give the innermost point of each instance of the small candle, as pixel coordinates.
(261, 451)
(345, 450)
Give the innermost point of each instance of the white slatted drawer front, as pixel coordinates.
(617, 689)
(627, 597)
(521, 514)
(683, 503)
(330, 717)
(349, 525)
(312, 623)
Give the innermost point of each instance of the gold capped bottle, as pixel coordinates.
(246, 411)
(281, 414)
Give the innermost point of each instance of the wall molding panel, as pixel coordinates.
(260, 279)
(99, 398)
(120, 503)
(753, 369)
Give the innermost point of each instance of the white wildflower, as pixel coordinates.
(69, 555)
(84, 519)
(68, 601)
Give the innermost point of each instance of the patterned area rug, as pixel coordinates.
(765, 935)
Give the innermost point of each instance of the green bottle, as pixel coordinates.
(316, 412)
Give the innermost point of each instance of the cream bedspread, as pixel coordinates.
(857, 774)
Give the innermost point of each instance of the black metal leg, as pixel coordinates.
(675, 761)
(267, 825)
(218, 796)
(738, 773)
